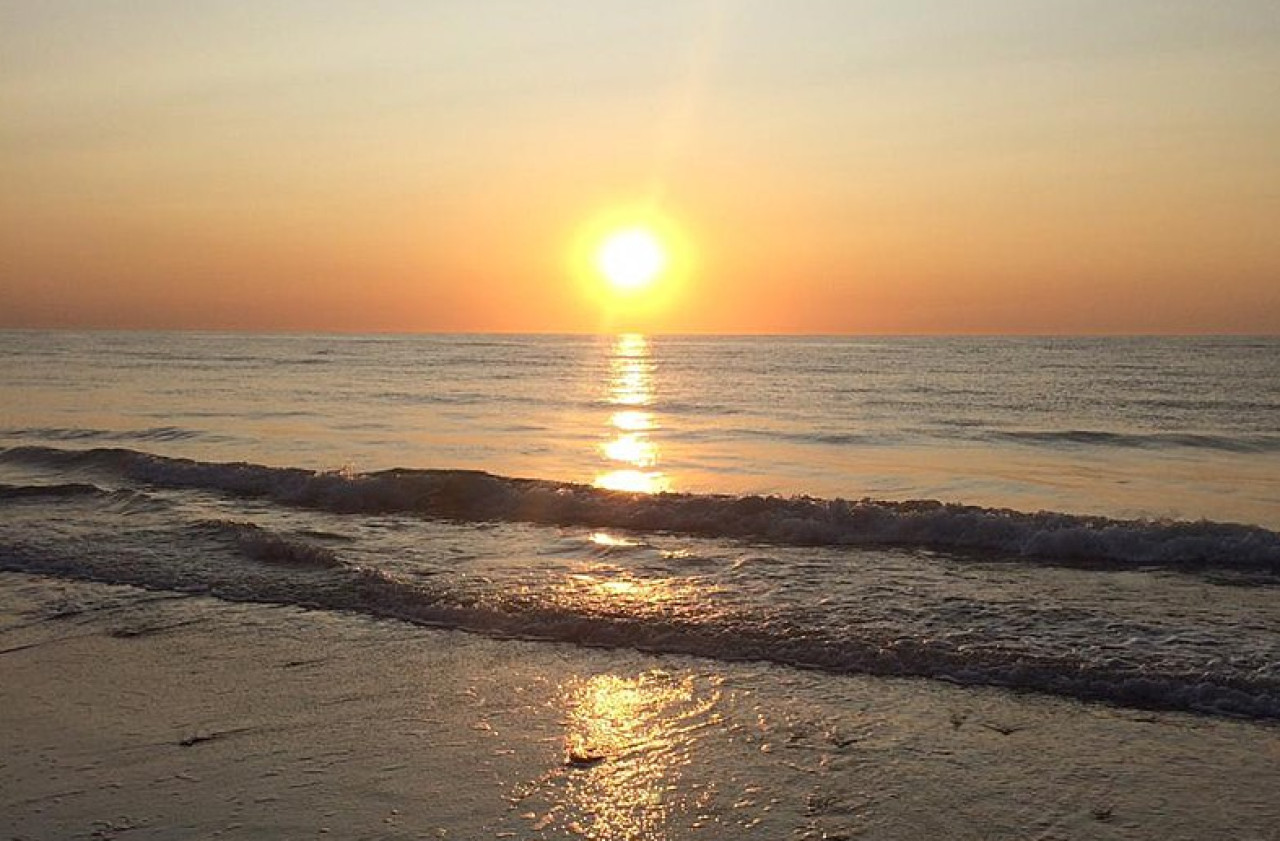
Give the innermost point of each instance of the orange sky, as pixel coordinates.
(878, 167)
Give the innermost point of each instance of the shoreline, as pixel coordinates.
(143, 714)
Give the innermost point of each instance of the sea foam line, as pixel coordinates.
(331, 585)
(468, 495)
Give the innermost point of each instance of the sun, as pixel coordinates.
(634, 264)
(631, 259)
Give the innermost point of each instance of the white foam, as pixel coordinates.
(478, 496)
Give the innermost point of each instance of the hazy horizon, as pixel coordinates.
(651, 334)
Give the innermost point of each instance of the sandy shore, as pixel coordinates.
(139, 715)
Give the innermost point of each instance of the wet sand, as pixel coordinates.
(149, 715)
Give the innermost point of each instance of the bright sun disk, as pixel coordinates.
(631, 259)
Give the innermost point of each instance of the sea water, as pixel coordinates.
(1088, 517)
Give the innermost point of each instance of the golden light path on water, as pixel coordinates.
(630, 737)
(630, 451)
(627, 737)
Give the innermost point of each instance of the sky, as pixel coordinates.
(814, 166)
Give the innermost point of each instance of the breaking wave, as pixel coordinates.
(467, 495)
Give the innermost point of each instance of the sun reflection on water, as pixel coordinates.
(613, 591)
(603, 538)
(632, 420)
(626, 740)
(631, 451)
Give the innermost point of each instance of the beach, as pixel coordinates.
(142, 714)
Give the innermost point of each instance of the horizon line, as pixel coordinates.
(650, 333)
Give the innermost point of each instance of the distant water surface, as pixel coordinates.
(1183, 428)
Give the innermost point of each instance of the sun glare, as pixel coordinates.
(631, 259)
(634, 264)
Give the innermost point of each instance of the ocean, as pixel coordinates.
(1088, 518)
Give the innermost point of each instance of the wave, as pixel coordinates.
(859, 651)
(158, 433)
(468, 495)
(270, 547)
(118, 501)
(64, 489)
(379, 593)
(1243, 443)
